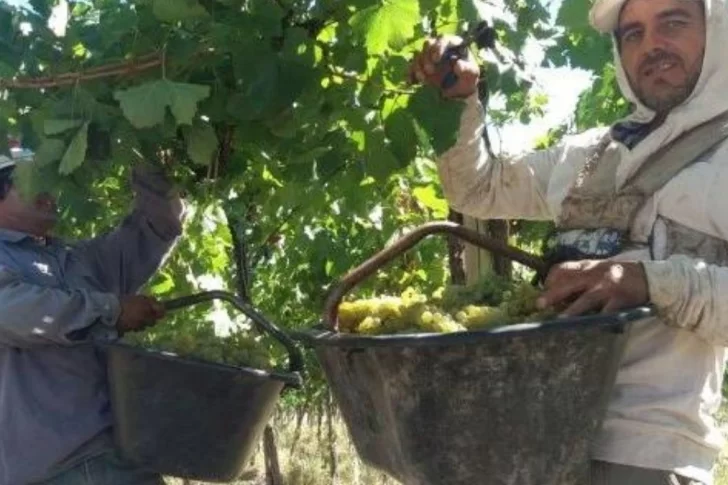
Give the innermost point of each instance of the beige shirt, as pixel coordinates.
(669, 382)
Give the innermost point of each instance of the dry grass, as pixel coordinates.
(306, 460)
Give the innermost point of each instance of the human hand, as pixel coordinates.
(605, 286)
(426, 68)
(139, 312)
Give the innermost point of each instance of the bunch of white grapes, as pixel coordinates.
(485, 305)
(239, 348)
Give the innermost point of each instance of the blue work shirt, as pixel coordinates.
(55, 299)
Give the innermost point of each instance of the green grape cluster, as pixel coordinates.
(484, 305)
(239, 348)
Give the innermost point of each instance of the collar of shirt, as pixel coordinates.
(14, 237)
(630, 133)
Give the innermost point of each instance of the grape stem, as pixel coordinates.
(396, 249)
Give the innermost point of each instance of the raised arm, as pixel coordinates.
(125, 258)
(526, 186)
(500, 188)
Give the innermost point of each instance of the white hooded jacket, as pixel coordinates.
(669, 383)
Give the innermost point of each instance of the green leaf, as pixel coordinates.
(178, 10)
(267, 15)
(162, 284)
(309, 156)
(55, 127)
(437, 116)
(388, 26)
(428, 197)
(373, 88)
(31, 179)
(50, 150)
(574, 13)
(473, 11)
(76, 152)
(144, 106)
(380, 163)
(401, 131)
(258, 91)
(202, 143)
(184, 98)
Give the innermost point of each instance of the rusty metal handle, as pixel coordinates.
(370, 266)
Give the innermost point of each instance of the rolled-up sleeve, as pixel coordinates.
(125, 258)
(36, 315)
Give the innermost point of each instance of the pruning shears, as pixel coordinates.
(482, 35)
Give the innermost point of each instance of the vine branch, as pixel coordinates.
(143, 63)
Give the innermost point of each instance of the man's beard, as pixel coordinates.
(676, 94)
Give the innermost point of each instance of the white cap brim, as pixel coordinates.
(604, 15)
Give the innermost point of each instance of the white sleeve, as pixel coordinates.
(514, 187)
(691, 294)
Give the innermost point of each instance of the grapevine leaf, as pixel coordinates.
(258, 91)
(574, 13)
(76, 152)
(428, 197)
(202, 143)
(184, 98)
(178, 10)
(268, 15)
(50, 150)
(388, 26)
(380, 162)
(473, 11)
(31, 179)
(309, 156)
(400, 129)
(373, 88)
(55, 127)
(144, 106)
(438, 117)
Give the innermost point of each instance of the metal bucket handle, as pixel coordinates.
(371, 265)
(295, 358)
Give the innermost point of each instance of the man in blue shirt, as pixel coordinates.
(55, 299)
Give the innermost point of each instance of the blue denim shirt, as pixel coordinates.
(56, 298)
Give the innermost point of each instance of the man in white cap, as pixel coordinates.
(641, 210)
(56, 299)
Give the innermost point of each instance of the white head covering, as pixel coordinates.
(604, 15)
(708, 98)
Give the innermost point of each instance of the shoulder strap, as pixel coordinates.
(668, 161)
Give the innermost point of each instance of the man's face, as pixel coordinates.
(661, 43)
(37, 217)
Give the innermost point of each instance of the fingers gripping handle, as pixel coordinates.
(482, 35)
(451, 56)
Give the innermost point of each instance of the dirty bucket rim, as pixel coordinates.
(287, 378)
(320, 336)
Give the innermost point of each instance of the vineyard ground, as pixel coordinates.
(306, 461)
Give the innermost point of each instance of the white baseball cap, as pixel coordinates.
(604, 15)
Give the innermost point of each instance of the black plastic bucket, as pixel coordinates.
(189, 418)
(515, 406)
(518, 405)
